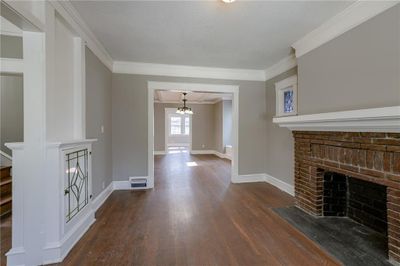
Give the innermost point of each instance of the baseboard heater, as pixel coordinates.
(138, 182)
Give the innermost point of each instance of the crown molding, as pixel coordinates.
(282, 66)
(20, 13)
(71, 15)
(125, 67)
(354, 15)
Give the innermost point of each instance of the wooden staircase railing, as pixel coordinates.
(5, 191)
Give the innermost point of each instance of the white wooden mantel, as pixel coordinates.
(385, 119)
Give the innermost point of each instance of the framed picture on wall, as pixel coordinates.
(286, 96)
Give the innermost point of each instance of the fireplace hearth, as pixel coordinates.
(354, 174)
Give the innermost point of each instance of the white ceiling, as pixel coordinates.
(192, 97)
(244, 34)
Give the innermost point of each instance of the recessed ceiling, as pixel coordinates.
(192, 97)
(244, 34)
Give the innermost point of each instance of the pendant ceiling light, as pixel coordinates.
(184, 109)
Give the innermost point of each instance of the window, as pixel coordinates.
(286, 96)
(179, 125)
(187, 126)
(175, 125)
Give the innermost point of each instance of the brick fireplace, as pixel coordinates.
(351, 161)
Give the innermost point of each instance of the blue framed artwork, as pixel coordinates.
(288, 106)
(286, 96)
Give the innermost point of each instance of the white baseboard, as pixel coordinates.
(213, 152)
(121, 185)
(57, 251)
(178, 144)
(249, 178)
(126, 185)
(202, 152)
(285, 187)
(16, 256)
(222, 155)
(101, 198)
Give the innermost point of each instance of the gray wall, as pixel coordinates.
(223, 125)
(280, 144)
(12, 113)
(129, 122)
(98, 114)
(218, 127)
(202, 126)
(359, 69)
(10, 46)
(227, 123)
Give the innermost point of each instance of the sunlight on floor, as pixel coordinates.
(191, 164)
(174, 150)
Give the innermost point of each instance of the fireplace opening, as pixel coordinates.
(361, 201)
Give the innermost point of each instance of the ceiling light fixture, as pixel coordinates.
(228, 1)
(184, 109)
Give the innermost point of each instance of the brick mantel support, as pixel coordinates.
(373, 157)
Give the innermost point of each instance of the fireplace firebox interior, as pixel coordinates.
(362, 201)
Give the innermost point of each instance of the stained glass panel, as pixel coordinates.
(77, 187)
(288, 101)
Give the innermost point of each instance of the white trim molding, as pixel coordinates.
(249, 178)
(385, 119)
(125, 67)
(202, 152)
(101, 198)
(282, 66)
(11, 65)
(354, 15)
(219, 88)
(252, 178)
(212, 152)
(57, 251)
(222, 155)
(126, 185)
(5, 159)
(2, 153)
(285, 187)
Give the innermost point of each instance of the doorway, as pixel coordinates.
(233, 90)
(178, 130)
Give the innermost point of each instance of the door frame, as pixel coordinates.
(195, 87)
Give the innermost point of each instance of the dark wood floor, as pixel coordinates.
(194, 216)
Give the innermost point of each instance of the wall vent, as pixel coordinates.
(138, 182)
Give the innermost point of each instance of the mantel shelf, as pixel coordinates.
(70, 143)
(385, 119)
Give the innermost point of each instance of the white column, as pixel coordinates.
(28, 165)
